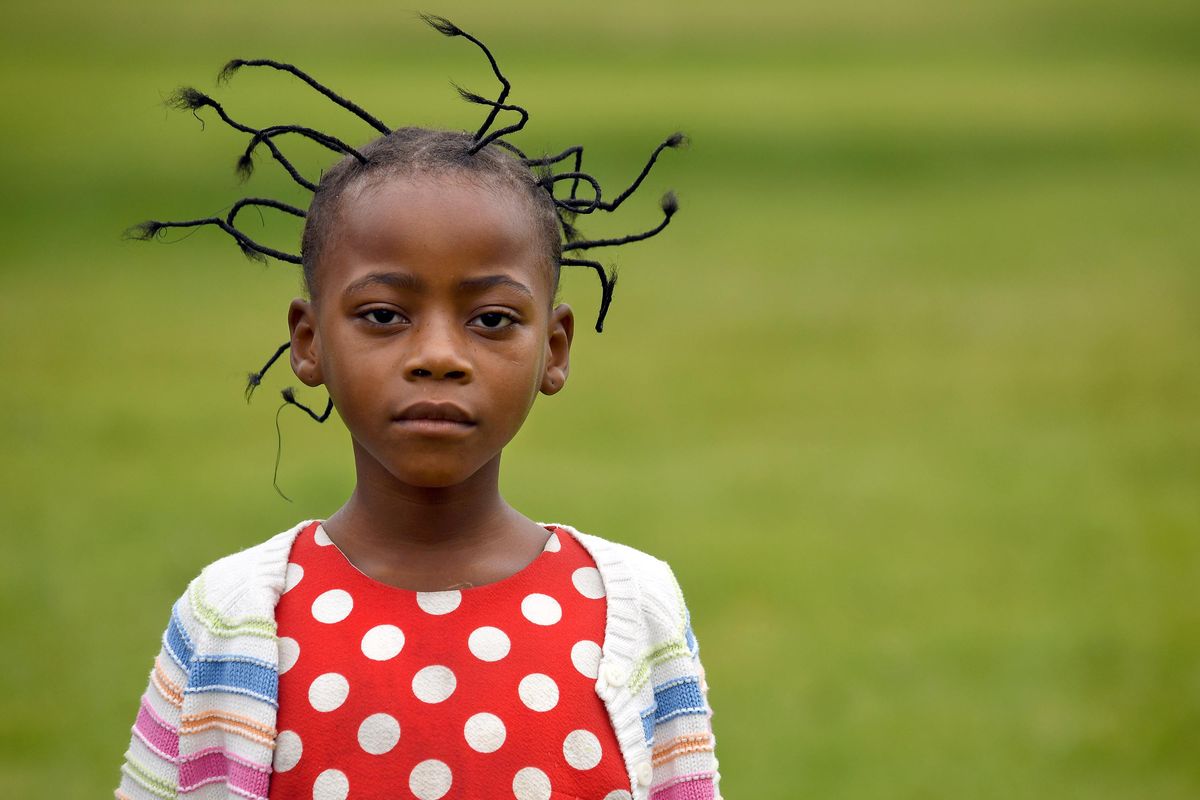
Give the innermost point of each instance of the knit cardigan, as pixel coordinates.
(206, 725)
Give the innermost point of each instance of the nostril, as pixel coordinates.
(421, 373)
(455, 375)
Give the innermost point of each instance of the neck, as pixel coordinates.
(433, 538)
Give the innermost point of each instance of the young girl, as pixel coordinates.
(427, 640)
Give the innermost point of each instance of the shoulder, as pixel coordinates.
(238, 592)
(629, 572)
(261, 566)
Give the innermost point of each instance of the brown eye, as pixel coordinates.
(382, 316)
(494, 320)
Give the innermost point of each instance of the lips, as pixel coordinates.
(437, 413)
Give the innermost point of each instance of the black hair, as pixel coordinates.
(484, 155)
(422, 151)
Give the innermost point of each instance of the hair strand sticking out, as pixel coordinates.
(486, 155)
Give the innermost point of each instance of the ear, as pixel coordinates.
(558, 349)
(305, 352)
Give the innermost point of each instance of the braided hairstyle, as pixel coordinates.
(485, 155)
(420, 151)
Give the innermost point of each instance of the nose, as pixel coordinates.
(436, 352)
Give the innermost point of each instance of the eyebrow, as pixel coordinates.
(403, 280)
(399, 280)
(488, 281)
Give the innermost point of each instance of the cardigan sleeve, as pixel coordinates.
(683, 757)
(151, 767)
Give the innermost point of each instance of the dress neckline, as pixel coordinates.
(552, 545)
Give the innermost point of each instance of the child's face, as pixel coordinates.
(432, 290)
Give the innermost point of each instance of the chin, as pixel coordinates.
(421, 465)
(433, 476)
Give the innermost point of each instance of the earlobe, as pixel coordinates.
(305, 350)
(558, 349)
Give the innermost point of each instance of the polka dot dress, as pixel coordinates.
(483, 692)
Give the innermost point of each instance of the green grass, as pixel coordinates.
(908, 395)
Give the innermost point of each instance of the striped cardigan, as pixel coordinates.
(206, 725)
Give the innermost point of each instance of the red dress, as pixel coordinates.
(481, 692)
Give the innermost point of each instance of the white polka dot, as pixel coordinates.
(383, 642)
(378, 733)
(328, 691)
(331, 784)
(488, 643)
(618, 794)
(434, 684)
(531, 784)
(553, 545)
(430, 780)
(332, 606)
(484, 732)
(439, 602)
(321, 537)
(538, 692)
(288, 749)
(581, 749)
(289, 651)
(294, 574)
(588, 582)
(585, 655)
(541, 609)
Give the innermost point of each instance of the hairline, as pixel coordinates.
(426, 152)
(363, 184)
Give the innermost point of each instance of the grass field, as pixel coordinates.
(909, 394)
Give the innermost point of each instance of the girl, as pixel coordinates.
(427, 640)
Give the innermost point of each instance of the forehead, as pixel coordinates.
(441, 227)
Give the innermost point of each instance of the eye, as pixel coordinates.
(382, 316)
(494, 320)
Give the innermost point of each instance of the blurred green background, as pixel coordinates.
(908, 394)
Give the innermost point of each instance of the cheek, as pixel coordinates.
(349, 373)
(521, 377)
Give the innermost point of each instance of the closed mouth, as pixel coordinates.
(435, 415)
